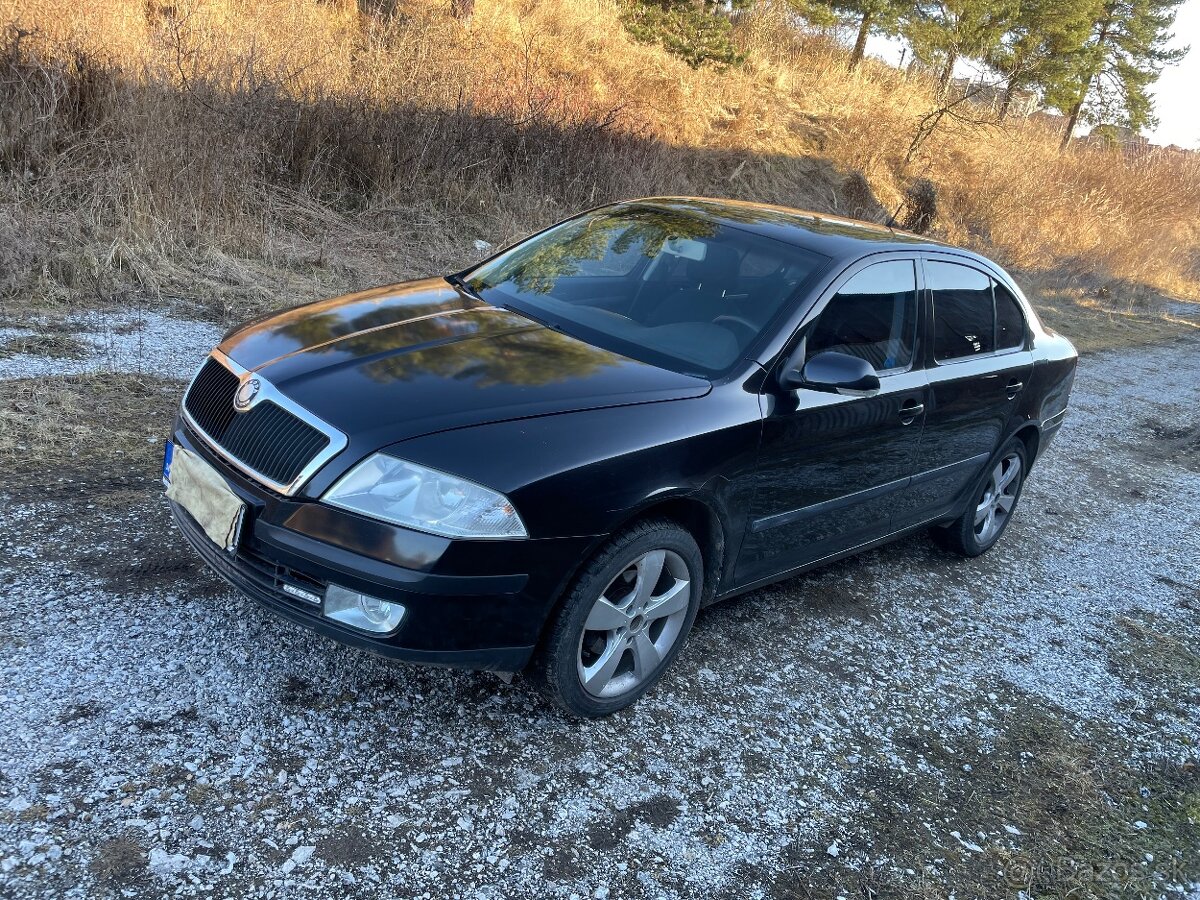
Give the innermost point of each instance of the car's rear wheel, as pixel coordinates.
(623, 621)
(988, 515)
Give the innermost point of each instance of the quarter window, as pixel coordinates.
(963, 316)
(1010, 321)
(873, 316)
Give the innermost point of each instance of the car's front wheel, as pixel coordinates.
(623, 621)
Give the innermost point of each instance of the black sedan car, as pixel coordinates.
(553, 459)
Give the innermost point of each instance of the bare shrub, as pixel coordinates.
(920, 206)
(859, 200)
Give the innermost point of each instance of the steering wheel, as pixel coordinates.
(751, 330)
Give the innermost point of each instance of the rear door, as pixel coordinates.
(978, 362)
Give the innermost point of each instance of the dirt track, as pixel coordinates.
(900, 724)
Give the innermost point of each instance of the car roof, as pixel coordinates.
(832, 236)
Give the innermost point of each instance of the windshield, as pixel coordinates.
(666, 286)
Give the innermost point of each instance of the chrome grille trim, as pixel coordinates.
(268, 392)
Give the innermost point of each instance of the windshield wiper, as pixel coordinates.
(464, 287)
(461, 283)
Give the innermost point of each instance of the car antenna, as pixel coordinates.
(891, 222)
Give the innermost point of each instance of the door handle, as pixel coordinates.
(1014, 387)
(910, 411)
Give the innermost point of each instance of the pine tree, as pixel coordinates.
(1036, 52)
(1109, 78)
(947, 31)
(871, 17)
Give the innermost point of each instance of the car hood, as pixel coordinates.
(397, 362)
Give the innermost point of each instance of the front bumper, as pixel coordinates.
(469, 604)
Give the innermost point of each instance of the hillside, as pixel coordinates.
(247, 155)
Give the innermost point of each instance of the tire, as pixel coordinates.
(987, 516)
(638, 630)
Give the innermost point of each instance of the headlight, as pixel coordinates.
(404, 493)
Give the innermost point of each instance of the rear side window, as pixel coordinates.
(963, 316)
(873, 316)
(1010, 321)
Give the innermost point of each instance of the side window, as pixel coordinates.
(873, 316)
(1010, 321)
(963, 317)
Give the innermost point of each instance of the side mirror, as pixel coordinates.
(832, 372)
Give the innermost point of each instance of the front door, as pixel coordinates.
(831, 468)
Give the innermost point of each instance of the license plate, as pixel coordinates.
(168, 453)
(200, 489)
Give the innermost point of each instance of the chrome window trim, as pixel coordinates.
(267, 391)
(993, 354)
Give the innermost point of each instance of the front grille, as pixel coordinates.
(267, 438)
(209, 400)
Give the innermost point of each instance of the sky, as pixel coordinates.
(1176, 94)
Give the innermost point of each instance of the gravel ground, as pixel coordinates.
(901, 724)
(149, 343)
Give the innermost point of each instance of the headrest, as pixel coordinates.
(718, 271)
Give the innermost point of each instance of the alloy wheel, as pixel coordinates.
(998, 498)
(633, 624)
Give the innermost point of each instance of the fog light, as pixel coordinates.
(361, 610)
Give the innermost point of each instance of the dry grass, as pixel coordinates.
(52, 423)
(254, 154)
(50, 343)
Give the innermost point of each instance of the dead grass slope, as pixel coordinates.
(251, 155)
